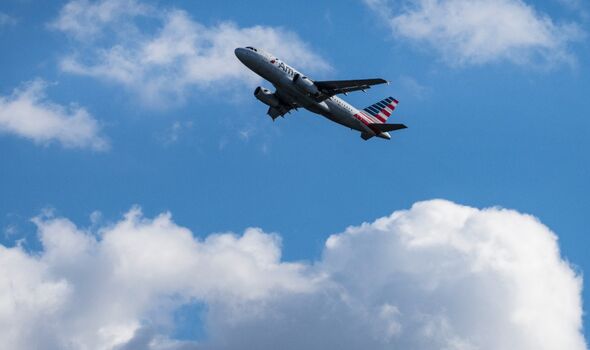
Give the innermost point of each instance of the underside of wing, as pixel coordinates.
(387, 127)
(333, 87)
(286, 104)
(275, 112)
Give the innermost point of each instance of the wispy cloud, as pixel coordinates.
(28, 113)
(6, 20)
(413, 87)
(571, 4)
(173, 133)
(86, 20)
(164, 64)
(472, 32)
(436, 276)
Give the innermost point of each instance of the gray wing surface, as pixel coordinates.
(333, 87)
(275, 112)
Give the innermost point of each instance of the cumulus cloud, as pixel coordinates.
(481, 31)
(163, 64)
(87, 291)
(436, 276)
(29, 114)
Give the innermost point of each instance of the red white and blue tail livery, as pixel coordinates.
(382, 109)
(294, 90)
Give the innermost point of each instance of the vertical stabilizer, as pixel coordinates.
(382, 109)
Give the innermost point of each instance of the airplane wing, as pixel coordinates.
(285, 107)
(275, 112)
(330, 88)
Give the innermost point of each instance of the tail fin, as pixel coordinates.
(382, 109)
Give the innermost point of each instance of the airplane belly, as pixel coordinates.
(291, 92)
(343, 117)
(328, 108)
(318, 108)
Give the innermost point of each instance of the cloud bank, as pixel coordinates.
(171, 55)
(28, 113)
(472, 32)
(436, 276)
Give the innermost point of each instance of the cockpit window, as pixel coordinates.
(251, 48)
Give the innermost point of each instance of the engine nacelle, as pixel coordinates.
(304, 84)
(266, 97)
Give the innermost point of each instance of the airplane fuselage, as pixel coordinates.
(282, 76)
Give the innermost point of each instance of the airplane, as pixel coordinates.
(295, 90)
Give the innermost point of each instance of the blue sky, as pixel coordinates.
(504, 128)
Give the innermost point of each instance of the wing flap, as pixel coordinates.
(285, 106)
(275, 112)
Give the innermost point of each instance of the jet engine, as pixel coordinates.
(304, 84)
(266, 97)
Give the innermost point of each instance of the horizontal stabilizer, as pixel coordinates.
(387, 127)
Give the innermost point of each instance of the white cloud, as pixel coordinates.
(164, 64)
(485, 279)
(28, 113)
(437, 276)
(89, 292)
(481, 31)
(84, 19)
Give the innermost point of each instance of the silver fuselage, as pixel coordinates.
(281, 75)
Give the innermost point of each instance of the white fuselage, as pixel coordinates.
(281, 76)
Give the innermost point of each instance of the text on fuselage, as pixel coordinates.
(282, 66)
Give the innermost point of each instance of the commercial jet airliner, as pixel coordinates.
(294, 90)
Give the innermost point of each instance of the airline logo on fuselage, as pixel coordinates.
(285, 68)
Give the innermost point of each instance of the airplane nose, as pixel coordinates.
(246, 57)
(240, 53)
